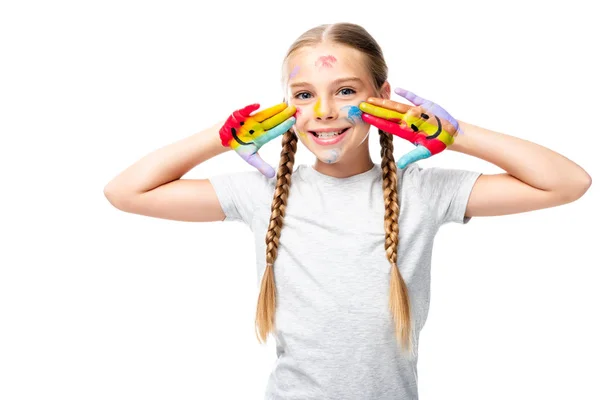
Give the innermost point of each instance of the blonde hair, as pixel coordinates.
(356, 37)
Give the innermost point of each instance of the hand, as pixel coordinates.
(246, 133)
(419, 125)
(429, 106)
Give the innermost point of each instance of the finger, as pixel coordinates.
(390, 127)
(278, 130)
(381, 112)
(269, 112)
(241, 114)
(389, 104)
(279, 118)
(257, 162)
(419, 153)
(410, 96)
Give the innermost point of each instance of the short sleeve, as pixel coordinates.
(238, 193)
(446, 190)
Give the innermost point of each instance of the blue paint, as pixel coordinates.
(354, 114)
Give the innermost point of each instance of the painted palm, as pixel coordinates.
(420, 125)
(246, 133)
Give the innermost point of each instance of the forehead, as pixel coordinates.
(326, 61)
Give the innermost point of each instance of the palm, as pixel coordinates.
(429, 131)
(246, 133)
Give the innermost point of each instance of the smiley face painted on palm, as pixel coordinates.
(326, 83)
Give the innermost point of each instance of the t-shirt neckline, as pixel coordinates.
(313, 173)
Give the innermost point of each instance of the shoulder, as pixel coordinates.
(446, 191)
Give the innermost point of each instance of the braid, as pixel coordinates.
(399, 301)
(265, 310)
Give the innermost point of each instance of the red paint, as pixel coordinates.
(326, 61)
(233, 123)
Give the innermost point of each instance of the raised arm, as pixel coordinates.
(536, 177)
(152, 186)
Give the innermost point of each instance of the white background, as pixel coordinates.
(96, 303)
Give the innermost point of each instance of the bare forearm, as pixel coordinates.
(529, 162)
(168, 163)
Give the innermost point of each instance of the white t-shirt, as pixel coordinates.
(334, 331)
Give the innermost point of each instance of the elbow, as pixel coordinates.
(577, 188)
(584, 185)
(115, 197)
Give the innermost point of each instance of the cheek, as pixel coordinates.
(302, 115)
(299, 126)
(352, 113)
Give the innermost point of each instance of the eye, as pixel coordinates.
(347, 91)
(300, 96)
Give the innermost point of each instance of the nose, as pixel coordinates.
(325, 110)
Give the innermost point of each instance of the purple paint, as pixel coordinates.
(294, 71)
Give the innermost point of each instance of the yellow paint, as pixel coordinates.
(425, 128)
(317, 108)
(381, 112)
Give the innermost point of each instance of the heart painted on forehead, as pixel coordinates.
(325, 61)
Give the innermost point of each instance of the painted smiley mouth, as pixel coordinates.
(237, 139)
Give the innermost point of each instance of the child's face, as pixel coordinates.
(326, 83)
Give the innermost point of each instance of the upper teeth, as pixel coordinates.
(327, 134)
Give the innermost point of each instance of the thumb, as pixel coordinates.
(410, 96)
(419, 153)
(257, 162)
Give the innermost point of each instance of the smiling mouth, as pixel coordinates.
(329, 134)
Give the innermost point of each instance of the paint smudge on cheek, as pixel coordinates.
(325, 61)
(298, 113)
(300, 133)
(294, 71)
(354, 114)
(317, 108)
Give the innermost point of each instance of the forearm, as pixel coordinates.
(529, 162)
(168, 163)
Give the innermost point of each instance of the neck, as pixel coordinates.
(351, 164)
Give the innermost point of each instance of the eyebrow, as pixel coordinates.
(334, 83)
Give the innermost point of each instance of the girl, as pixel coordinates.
(345, 288)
